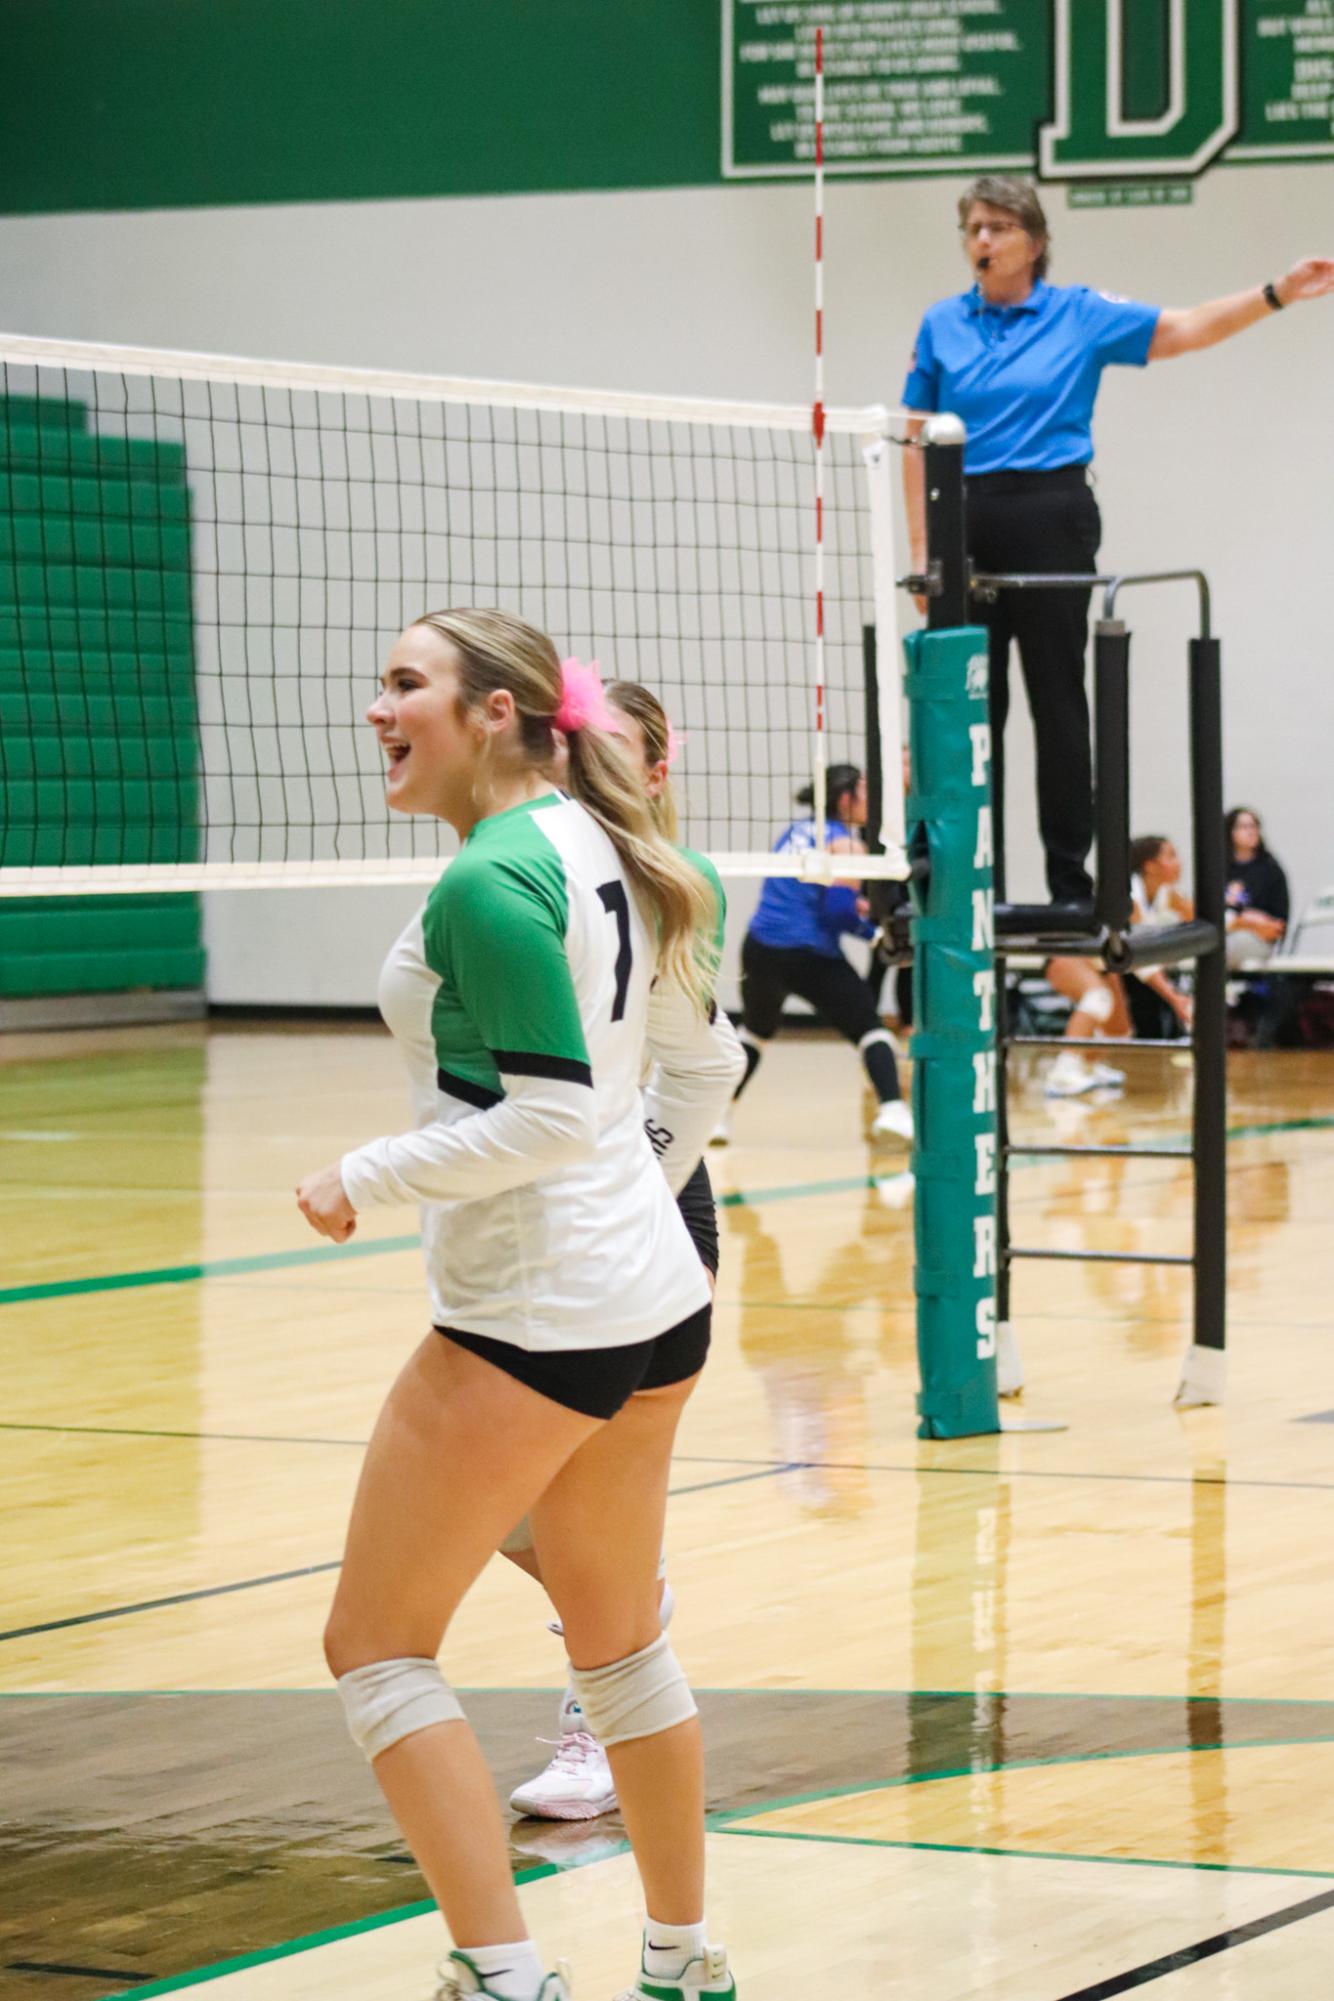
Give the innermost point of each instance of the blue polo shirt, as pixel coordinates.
(1024, 378)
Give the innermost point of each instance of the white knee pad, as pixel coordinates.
(1097, 1004)
(391, 1700)
(519, 1539)
(637, 1697)
(876, 1035)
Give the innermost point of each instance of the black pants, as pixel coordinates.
(1036, 522)
(769, 973)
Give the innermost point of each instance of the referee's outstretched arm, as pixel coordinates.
(1184, 329)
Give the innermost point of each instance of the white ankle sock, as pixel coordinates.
(571, 1715)
(669, 1949)
(511, 1972)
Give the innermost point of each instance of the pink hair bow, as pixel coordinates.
(674, 744)
(583, 704)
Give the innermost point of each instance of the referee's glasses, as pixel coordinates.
(972, 230)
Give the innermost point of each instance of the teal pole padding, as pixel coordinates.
(954, 1044)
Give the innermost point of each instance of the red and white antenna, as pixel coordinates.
(818, 429)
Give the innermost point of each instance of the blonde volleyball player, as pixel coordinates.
(571, 1309)
(577, 1783)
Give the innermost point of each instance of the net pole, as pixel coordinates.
(955, 1080)
(820, 805)
(888, 831)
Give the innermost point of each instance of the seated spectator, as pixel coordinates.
(1157, 1007)
(1257, 899)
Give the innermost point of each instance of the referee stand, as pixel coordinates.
(1098, 929)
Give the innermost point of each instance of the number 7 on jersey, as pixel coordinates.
(617, 904)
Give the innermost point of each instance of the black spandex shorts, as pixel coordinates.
(597, 1381)
(700, 1216)
(769, 973)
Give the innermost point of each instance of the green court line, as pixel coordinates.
(729, 1816)
(1266, 1127)
(66, 1288)
(1027, 1854)
(122, 1281)
(702, 1688)
(307, 1943)
(311, 1941)
(849, 1184)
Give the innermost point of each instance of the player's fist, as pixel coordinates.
(322, 1200)
(1310, 279)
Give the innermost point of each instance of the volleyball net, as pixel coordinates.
(204, 561)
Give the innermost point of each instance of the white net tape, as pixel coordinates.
(203, 562)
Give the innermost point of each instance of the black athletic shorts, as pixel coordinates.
(700, 1215)
(769, 973)
(597, 1381)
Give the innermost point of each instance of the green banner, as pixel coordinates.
(133, 104)
(1078, 88)
(954, 1046)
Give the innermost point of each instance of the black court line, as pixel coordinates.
(1043, 1473)
(737, 1459)
(203, 1437)
(77, 1972)
(314, 1569)
(158, 1604)
(1191, 1955)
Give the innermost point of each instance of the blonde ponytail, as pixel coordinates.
(603, 779)
(497, 650)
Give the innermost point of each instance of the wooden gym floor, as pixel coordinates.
(1044, 1717)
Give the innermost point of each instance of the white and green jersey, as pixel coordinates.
(523, 997)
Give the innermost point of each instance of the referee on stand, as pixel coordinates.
(1020, 361)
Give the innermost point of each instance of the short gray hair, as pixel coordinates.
(1018, 198)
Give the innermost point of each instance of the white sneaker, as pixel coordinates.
(722, 1132)
(576, 1785)
(896, 1190)
(459, 1979)
(707, 1979)
(1070, 1076)
(1105, 1077)
(893, 1121)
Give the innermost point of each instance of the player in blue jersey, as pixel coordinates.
(795, 946)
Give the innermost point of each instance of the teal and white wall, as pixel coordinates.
(535, 191)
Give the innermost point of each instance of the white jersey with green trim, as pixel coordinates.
(523, 997)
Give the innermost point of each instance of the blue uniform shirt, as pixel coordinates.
(1024, 378)
(807, 916)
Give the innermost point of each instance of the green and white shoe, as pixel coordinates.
(459, 1980)
(706, 1979)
